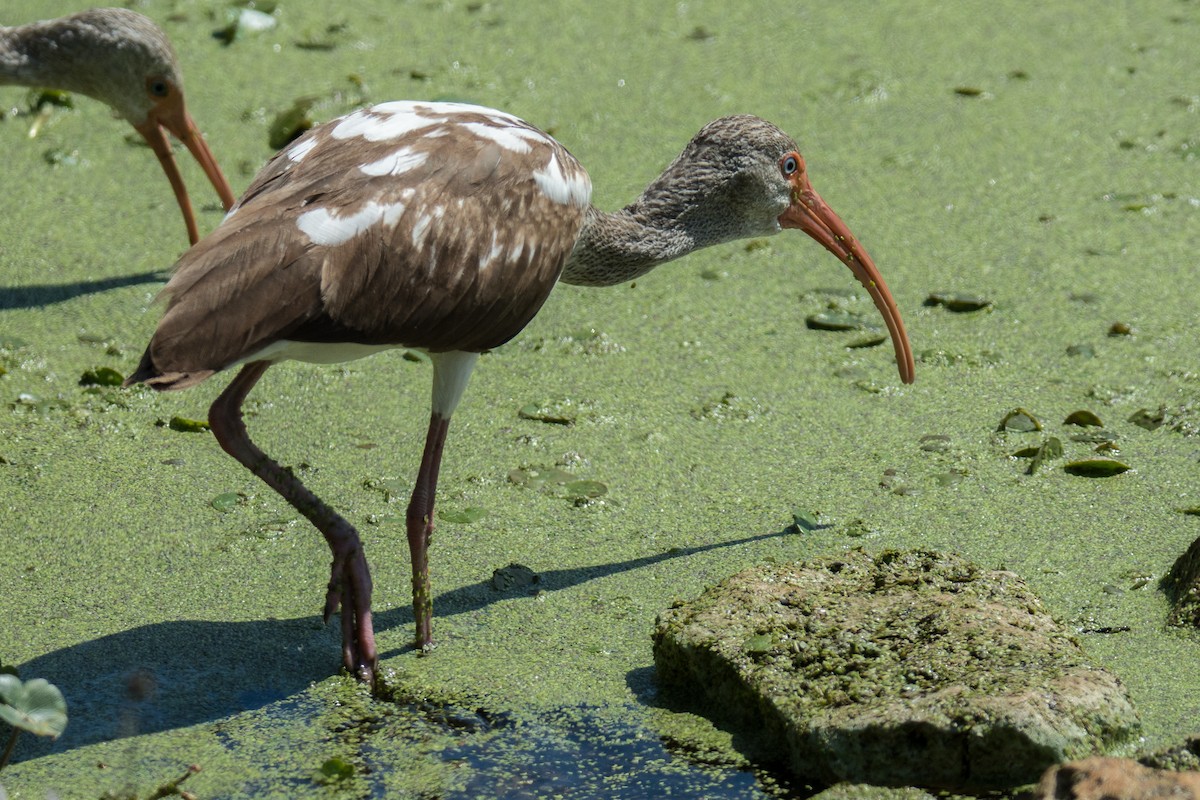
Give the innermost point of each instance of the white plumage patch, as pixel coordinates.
(377, 124)
(396, 163)
(575, 189)
(510, 138)
(325, 228)
(298, 151)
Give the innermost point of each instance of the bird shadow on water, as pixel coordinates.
(171, 675)
(40, 295)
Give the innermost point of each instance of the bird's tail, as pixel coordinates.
(148, 373)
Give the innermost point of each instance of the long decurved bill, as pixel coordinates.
(809, 213)
(172, 116)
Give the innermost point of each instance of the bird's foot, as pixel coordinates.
(350, 588)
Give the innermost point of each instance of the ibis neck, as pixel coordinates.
(15, 66)
(616, 248)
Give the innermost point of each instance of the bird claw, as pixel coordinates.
(350, 589)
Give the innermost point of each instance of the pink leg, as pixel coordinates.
(350, 578)
(420, 526)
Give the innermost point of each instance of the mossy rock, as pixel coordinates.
(903, 669)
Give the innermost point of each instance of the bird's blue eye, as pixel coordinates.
(789, 165)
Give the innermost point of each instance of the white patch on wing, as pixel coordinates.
(514, 139)
(396, 163)
(324, 228)
(486, 259)
(298, 151)
(377, 124)
(575, 189)
(419, 229)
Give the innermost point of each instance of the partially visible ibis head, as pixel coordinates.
(123, 59)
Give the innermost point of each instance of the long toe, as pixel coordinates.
(358, 635)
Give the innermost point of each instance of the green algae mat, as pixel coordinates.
(1025, 178)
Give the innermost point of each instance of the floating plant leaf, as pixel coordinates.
(390, 488)
(289, 124)
(36, 705)
(968, 91)
(585, 490)
(1194, 511)
(464, 516)
(935, 443)
(243, 21)
(867, 341)
(36, 99)
(185, 425)
(1081, 351)
(1121, 329)
(226, 501)
(1094, 436)
(958, 303)
(1150, 420)
(1084, 419)
(1096, 467)
(336, 769)
(1050, 449)
(550, 413)
(835, 321)
(101, 376)
(1020, 420)
(803, 522)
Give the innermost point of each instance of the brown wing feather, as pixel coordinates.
(466, 254)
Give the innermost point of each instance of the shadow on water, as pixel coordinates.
(199, 671)
(39, 295)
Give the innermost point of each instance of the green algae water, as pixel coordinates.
(1040, 157)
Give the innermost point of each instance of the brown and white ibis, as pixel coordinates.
(123, 59)
(443, 227)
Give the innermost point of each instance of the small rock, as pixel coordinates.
(1182, 587)
(1114, 779)
(514, 576)
(903, 669)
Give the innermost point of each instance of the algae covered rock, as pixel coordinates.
(1182, 586)
(903, 669)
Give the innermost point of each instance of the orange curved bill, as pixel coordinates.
(809, 213)
(173, 117)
